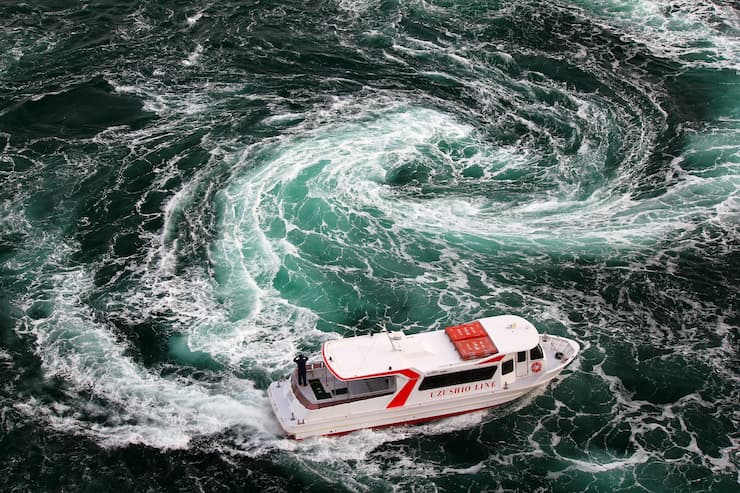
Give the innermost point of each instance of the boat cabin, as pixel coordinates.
(489, 352)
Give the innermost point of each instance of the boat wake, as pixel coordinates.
(243, 198)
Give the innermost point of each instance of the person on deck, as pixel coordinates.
(300, 360)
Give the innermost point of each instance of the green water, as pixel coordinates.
(192, 193)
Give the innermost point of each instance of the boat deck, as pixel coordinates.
(324, 389)
(551, 346)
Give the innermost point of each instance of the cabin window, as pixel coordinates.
(507, 366)
(457, 378)
(521, 356)
(536, 352)
(369, 386)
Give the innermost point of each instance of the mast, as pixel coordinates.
(392, 337)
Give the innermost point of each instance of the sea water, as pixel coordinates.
(193, 192)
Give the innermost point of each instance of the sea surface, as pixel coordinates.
(193, 192)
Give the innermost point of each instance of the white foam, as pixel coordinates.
(78, 347)
(18, 42)
(194, 56)
(474, 469)
(394, 59)
(193, 19)
(283, 118)
(139, 25)
(640, 457)
(676, 29)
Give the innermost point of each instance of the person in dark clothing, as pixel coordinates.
(300, 360)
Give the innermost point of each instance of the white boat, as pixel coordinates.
(390, 378)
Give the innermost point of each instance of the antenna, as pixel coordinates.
(392, 337)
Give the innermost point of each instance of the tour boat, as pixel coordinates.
(391, 378)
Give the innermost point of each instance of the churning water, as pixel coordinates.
(192, 192)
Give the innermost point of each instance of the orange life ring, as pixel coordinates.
(536, 367)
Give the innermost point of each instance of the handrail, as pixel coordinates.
(335, 399)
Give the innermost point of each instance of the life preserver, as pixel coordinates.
(536, 367)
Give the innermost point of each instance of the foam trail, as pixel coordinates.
(151, 409)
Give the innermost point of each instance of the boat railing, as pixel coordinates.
(324, 389)
(315, 366)
(558, 349)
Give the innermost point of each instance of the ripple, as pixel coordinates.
(297, 181)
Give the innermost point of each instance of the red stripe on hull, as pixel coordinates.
(400, 399)
(492, 360)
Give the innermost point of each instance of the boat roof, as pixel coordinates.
(390, 352)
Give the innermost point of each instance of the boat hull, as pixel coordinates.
(338, 420)
(300, 422)
(415, 421)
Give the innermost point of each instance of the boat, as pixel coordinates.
(392, 378)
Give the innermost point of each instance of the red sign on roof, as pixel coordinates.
(475, 348)
(469, 330)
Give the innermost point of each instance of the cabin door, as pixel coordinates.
(522, 367)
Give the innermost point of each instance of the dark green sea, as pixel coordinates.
(192, 192)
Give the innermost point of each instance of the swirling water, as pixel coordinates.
(194, 191)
